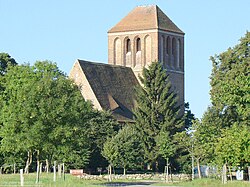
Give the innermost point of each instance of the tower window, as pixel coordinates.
(128, 46)
(138, 44)
(168, 43)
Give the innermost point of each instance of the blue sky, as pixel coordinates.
(63, 31)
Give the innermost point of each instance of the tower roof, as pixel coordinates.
(145, 18)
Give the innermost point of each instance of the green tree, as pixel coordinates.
(233, 147)
(101, 126)
(124, 149)
(230, 81)
(44, 115)
(156, 110)
(5, 60)
(166, 147)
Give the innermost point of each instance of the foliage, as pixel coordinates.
(43, 113)
(101, 126)
(166, 146)
(230, 81)
(188, 116)
(156, 110)
(124, 149)
(233, 146)
(5, 61)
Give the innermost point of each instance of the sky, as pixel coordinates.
(63, 31)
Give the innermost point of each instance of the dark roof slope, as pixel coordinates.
(144, 18)
(113, 87)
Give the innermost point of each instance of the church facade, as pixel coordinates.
(144, 36)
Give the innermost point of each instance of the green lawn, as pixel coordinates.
(46, 180)
(208, 183)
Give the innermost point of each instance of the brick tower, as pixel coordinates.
(146, 35)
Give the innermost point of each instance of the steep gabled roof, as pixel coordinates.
(113, 87)
(145, 18)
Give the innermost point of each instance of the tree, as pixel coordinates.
(124, 149)
(156, 110)
(233, 147)
(44, 115)
(5, 60)
(230, 81)
(167, 148)
(101, 127)
(188, 116)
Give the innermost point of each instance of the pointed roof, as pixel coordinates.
(145, 18)
(113, 87)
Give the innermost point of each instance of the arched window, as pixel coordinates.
(117, 52)
(174, 46)
(128, 46)
(138, 44)
(168, 45)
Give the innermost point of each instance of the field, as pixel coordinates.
(46, 180)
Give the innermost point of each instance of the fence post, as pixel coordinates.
(14, 168)
(37, 172)
(248, 173)
(47, 166)
(59, 170)
(54, 171)
(21, 177)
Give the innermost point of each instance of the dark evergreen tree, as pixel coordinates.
(5, 60)
(188, 116)
(157, 110)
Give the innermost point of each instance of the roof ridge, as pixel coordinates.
(156, 14)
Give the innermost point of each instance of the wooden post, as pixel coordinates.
(21, 177)
(248, 173)
(192, 167)
(54, 168)
(224, 174)
(37, 172)
(110, 173)
(63, 171)
(47, 166)
(59, 170)
(41, 168)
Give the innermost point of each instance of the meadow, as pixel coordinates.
(46, 180)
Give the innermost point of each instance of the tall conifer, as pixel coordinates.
(157, 110)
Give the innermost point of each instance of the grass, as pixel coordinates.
(208, 183)
(46, 180)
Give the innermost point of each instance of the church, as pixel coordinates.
(144, 36)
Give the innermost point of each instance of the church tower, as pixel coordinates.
(146, 35)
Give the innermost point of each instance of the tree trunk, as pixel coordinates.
(28, 162)
(198, 167)
(124, 171)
